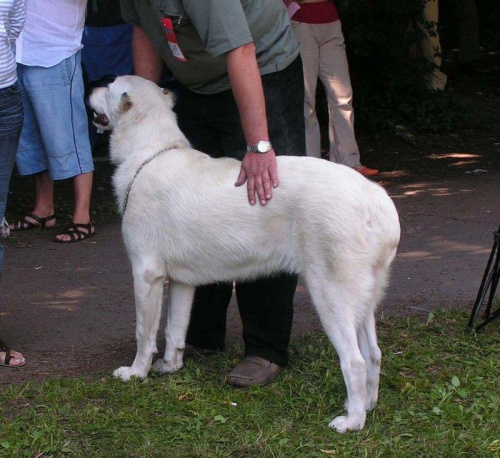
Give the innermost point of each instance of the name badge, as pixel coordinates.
(168, 29)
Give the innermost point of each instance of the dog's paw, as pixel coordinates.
(343, 424)
(167, 367)
(125, 373)
(4, 228)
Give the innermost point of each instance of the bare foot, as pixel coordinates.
(32, 221)
(15, 359)
(76, 232)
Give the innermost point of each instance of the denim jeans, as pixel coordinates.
(55, 135)
(212, 125)
(11, 123)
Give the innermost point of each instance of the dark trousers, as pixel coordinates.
(212, 125)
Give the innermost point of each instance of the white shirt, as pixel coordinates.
(52, 32)
(11, 23)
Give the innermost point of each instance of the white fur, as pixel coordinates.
(186, 221)
(4, 228)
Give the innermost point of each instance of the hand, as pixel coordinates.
(261, 174)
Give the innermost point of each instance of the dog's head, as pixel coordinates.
(113, 101)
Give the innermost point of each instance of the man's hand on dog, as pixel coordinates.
(261, 174)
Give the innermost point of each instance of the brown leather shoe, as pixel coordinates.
(253, 371)
(366, 171)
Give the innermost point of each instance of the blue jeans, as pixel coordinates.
(55, 135)
(11, 123)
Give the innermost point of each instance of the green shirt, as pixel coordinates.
(207, 29)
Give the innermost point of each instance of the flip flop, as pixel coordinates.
(9, 357)
(75, 232)
(26, 225)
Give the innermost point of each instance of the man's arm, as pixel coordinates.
(259, 170)
(147, 61)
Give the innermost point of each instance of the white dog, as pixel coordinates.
(186, 221)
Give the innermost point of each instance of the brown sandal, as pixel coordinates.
(26, 225)
(76, 233)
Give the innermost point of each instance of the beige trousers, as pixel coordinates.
(323, 55)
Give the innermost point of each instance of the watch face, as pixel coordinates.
(263, 146)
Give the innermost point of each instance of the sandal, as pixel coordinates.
(9, 357)
(25, 225)
(76, 233)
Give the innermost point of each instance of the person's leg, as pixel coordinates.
(309, 52)
(83, 189)
(44, 196)
(57, 97)
(334, 74)
(266, 308)
(11, 121)
(82, 186)
(199, 119)
(31, 160)
(266, 305)
(207, 328)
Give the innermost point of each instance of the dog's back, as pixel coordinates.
(209, 232)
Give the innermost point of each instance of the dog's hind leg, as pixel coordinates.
(336, 304)
(149, 279)
(367, 339)
(179, 312)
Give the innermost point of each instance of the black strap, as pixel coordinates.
(8, 352)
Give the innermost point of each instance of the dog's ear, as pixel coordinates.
(125, 103)
(170, 97)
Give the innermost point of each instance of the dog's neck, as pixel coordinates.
(145, 142)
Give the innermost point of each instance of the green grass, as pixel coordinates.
(439, 397)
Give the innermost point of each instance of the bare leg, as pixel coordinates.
(179, 311)
(44, 198)
(82, 185)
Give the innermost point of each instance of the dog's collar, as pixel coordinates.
(146, 162)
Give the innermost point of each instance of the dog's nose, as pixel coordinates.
(100, 119)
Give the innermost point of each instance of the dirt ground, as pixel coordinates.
(69, 308)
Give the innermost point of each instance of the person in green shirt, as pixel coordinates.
(240, 95)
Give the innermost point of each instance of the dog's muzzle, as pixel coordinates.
(100, 119)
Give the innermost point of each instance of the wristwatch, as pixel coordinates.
(261, 147)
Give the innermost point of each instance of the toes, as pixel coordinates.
(16, 358)
(63, 238)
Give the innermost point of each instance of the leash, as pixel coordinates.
(146, 162)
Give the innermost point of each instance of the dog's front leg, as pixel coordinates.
(179, 312)
(148, 288)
